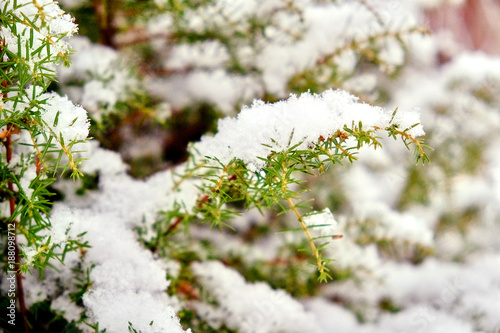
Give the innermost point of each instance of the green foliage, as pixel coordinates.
(34, 153)
(281, 183)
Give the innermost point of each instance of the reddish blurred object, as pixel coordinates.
(475, 24)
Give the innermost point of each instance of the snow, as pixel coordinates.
(325, 222)
(298, 120)
(128, 282)
(67, 121)
(105, 79)
(114, 310)
(199, 86)
(296, 38)
(60, 24)
(250, 307)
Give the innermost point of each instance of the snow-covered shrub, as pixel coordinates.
(40, 133)
(267, 204)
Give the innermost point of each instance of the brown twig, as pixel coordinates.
(104, 13)
(294, 209)
(315, 251)
(174, 225)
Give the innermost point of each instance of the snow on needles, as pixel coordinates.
(64, 119)
(262, 128)
(61, 118)
(128, 281)
(47, 22)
